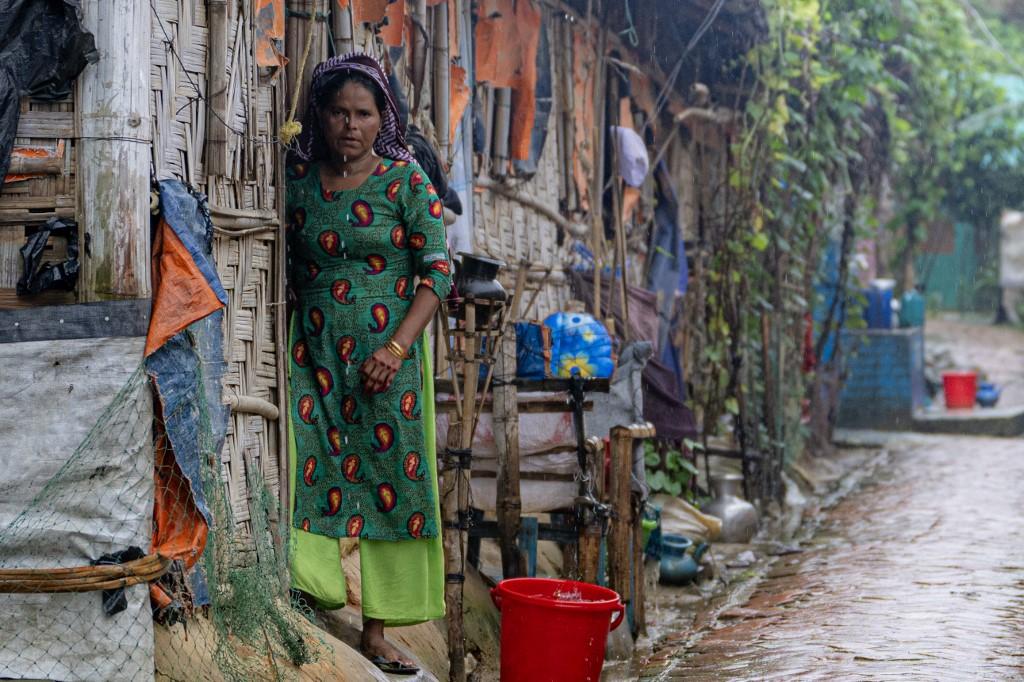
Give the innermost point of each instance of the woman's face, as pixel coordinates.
(350, 122)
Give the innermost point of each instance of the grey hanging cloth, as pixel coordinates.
(43, 48)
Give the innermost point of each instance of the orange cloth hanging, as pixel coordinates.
(507, 36)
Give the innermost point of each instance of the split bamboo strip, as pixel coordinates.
(441, 72)
(82, 578)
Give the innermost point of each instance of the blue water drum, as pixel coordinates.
(879, 311)
(579, 345)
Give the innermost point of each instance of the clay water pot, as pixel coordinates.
(677, 566)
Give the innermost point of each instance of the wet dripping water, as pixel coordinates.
(918, 575)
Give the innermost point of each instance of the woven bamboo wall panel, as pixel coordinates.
(507, 230)
(178, 81)
(183, 56)
(28, 203)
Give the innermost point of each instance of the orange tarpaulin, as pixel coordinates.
(33, 153)
(270, 33)
(459, 93)
(181, 294)
(507, 35)
(394, 33)
(371, 11)
(179, 529)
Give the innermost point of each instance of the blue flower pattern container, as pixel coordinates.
(579, 345)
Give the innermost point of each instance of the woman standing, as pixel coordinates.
(368, 267)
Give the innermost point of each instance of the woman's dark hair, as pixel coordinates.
(324, 93)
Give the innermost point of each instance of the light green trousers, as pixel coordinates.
(402, 582)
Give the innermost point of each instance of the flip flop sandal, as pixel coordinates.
(393, 667)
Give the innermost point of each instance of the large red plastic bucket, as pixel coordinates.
(960, 389)
(548, 638)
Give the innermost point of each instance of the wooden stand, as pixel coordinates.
(479, 339)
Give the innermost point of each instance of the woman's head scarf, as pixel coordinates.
(390, 142)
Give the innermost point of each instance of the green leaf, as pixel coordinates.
(759, 242)
(732, 406)
(689, 467)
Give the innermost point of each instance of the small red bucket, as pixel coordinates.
(960, 388)
(554, 630)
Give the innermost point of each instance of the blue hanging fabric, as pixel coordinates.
(668, 272)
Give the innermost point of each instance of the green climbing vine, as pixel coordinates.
(856, 115)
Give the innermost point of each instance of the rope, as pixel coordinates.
(291, 128)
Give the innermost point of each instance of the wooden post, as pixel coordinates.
(588, 549)
(115, 133)
(441, 72)
(619, 542)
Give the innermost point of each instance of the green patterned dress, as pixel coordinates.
(356, 258)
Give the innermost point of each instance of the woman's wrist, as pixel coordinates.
(404, 343)
(396, 349)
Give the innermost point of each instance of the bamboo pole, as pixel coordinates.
(115, 134)
(217, 75)
(597, 181)
(342, 28)
(419, 53)
(577, 230)
(442, 74)
(281, 355)
(502, 127)
(455, 499)
(485, 163)
(509, 504)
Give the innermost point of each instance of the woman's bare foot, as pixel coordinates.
(372, 643)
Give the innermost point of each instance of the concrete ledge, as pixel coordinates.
(1000, 422)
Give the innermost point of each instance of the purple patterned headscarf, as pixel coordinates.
(390, 142)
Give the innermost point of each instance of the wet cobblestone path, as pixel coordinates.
(919, 574)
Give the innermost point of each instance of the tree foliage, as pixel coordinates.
(843, 94)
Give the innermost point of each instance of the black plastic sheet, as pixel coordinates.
(38, 275)
(43, 48)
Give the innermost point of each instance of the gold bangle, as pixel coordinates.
(396, 349)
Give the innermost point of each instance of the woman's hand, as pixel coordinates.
(379, 370)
